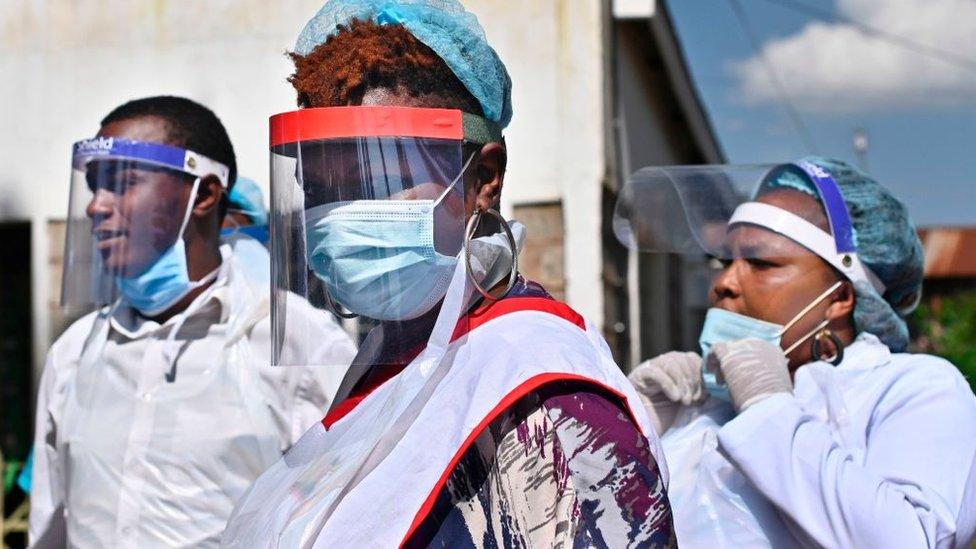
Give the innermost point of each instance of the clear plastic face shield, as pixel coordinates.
(367, 221)
(759, 214)
(738, 212)
(128, 208)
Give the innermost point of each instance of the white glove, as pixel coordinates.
(753, 370)
(666, 383)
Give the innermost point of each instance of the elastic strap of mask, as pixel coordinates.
(807, 235)
(460, 174)
(170, 347)
(804, 312)
(189, 207)
(808, 335)
(810, 307)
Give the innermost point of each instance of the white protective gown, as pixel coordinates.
(124, 457)
(364, 481)
(879, 451)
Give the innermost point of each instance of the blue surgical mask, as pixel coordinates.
(167, 280)
(377, 257)
(721, 325)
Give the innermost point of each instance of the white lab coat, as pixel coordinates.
(879, 451)
(125, 458)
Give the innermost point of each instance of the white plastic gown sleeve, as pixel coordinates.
(46, 525)
(902, 477)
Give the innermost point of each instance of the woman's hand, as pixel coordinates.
(753, 370)
(666, 383)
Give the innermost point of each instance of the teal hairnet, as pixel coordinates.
(887, 243)
(246, 196)
(444, 26)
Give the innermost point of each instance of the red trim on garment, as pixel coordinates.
(351, 122)
(528, 386)
(348, 405)
(491, 311)
(480, 316)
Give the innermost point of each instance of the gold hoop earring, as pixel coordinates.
(815, 350)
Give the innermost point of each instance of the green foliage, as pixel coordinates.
(946, 326)
(10, 473)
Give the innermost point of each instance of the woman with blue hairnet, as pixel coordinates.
(806, 423)
(479, 410)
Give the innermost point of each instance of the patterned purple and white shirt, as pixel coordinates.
(563, 467)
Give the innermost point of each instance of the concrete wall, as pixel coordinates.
(65, 64)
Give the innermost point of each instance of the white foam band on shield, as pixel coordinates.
(807, 235)
(202, 166)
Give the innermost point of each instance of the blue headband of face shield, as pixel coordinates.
(155, 154)
(838, 217)
(166, 280)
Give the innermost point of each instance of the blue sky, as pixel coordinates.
(916, 103)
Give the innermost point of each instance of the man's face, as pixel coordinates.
(136, 209)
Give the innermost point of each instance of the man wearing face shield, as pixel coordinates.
(158, 409)
(806, 423)
(479, 410)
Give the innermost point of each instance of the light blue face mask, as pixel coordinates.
(721, 325)
(377, 257)
(167, 280)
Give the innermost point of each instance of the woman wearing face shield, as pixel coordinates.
(479, 410)
(812, 424)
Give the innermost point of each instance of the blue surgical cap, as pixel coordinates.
(887, 243)
(442, 25)
(245, 196)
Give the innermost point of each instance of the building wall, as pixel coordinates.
(64, 65)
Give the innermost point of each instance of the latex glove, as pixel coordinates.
(666, 383)
(753, 370)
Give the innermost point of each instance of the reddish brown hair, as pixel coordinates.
(362, 56)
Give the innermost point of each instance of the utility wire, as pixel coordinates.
(906, 43)
(791, 110)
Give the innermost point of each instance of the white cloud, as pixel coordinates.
(837, 67)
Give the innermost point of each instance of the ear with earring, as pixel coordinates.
(817, 351)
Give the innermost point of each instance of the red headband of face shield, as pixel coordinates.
(341, 154)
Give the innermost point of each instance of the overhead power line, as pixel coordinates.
(901, 41)
(791, 111)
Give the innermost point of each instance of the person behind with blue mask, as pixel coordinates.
(245, 229)
(159, 408)
(479, 411)
(824, 431)
(246, 212)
